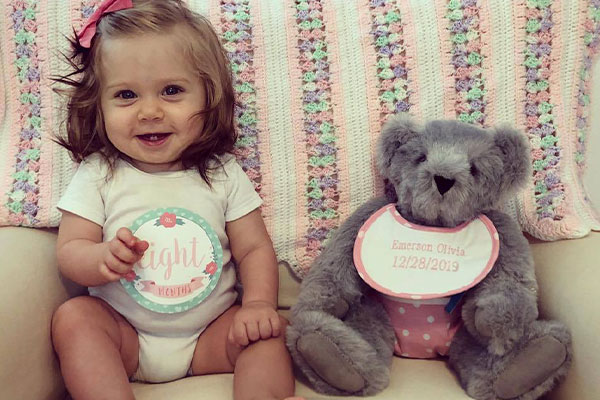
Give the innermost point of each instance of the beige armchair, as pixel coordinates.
(32, 288)
(567, 271)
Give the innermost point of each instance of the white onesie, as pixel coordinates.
(186, 278)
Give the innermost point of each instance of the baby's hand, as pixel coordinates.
(253, 321)
(121, 254)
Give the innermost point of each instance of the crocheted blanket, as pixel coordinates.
(316, 79)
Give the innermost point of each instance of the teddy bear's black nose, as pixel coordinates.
(443, 184)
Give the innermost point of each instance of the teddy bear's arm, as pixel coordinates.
(332, 284)
(499, 308)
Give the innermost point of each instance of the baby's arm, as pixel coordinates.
(86, 260)
(252, 249)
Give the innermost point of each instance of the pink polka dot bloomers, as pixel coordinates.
(423, 328)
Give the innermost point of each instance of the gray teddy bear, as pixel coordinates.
(446, 173)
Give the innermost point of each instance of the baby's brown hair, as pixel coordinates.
(85, 133)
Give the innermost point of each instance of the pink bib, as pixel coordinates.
(410, 261)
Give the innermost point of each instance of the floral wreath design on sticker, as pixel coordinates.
(181, 267)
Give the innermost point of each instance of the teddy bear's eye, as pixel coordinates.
(422, 158)
(474, 170)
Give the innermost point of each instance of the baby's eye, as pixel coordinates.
(125, 95)
(172, 90)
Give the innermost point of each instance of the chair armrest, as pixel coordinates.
(32, 289)
(568, 272)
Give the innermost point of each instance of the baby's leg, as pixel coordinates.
(262, 370)
(97, 349)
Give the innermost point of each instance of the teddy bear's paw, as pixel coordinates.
(342, 357)
(534, 365)
(501, 336)
(329, 362)
(502, 319)
(339, 308)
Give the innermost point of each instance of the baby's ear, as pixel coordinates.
(515, 151)
(396, 132)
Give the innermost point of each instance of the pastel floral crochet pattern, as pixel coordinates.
(314, 81)
(391, 63)
(591, 40)
(463, 16)
(392, 71)
(321, 147)
(86, 9)
(546, 152)
(237, 38)
(23, 196)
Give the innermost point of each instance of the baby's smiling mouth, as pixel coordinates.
(153, 139)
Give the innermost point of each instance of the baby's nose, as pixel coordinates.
(443, 184)
(150, 110)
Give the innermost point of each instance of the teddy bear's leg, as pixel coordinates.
(349, 356)
(542, 360)
(536, 363)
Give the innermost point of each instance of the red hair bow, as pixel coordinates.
(88, 31)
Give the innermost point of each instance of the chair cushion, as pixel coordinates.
(412, 379)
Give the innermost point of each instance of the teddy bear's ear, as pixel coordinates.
(396, 132)
(515, 150)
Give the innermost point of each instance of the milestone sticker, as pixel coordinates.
(182, 265)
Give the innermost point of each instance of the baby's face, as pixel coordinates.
(149, 96)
